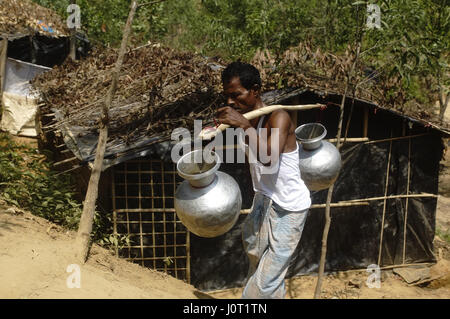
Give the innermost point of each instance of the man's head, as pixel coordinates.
(241, 85)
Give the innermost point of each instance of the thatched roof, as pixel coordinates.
(321, 71)
(23, 17)
(161, 89)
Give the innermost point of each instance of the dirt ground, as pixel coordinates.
(35, 255)
(34, 259)
(355, 284)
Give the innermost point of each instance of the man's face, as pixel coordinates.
(238, 97)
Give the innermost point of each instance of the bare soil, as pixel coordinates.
(35, 255)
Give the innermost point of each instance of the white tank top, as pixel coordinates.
(285, 187)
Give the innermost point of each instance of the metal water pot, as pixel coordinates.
(320, 161)
(207, 202)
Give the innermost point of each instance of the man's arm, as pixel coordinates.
(277, 120)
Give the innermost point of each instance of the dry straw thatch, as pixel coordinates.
(25, 17)
(159, 89)
(308, 67)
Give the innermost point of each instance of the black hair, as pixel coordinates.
(247, 74)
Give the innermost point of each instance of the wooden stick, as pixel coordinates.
(209, 133)
(73, 41)
(384, 203)
(366, 121)
(406, 207)
(243, 211)
(116, 248)
(338, 204)
(65, 161)
(3, 57)
(391, 197)
(48, 114)
(69, 170)
(87, 217)
(396, 138)
(350, 139)
(330, 190)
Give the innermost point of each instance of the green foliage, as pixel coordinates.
(414, 45)
(115, 241)
(27, 181)
(443, 234)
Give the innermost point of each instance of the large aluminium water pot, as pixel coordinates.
(320, 161)
(207, 202)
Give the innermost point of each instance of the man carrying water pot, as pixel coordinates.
(274, 227)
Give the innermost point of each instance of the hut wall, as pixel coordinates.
(388, 225)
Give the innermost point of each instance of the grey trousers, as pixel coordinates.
(270, 236)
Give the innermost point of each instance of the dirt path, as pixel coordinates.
(353, 285)
(35, 254)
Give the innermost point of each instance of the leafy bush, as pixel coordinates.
(443, 234)
(27, 181)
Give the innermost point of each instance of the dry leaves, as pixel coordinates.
(24, 16)
(159, 89)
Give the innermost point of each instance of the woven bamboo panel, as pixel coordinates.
(143, 205)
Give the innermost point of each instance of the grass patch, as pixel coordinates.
(444, 235)
(28, 182)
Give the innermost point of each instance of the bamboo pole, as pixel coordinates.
(406, 206)
(208, 133)
(73, 43)
(114, 210)
(384, 203)
(350, 139)
(366, 121)
(315, 206)
(65, 161)
(364, 140)
(87, 217)
(351, 202)
(330, 190)
(396, 138)
(242, 211)
(392, 197)
(3, 57)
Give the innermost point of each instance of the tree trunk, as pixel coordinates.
(85, 228)
(443, 104)
(326, 229)
(73, 49)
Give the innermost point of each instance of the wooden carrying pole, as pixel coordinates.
(209, 133)
(87, 217)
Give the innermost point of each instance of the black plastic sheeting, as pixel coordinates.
(38, 49)
(354, 236)
(47, 51)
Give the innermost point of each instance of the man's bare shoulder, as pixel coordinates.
(279, 118)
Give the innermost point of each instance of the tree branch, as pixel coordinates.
(87, 217)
